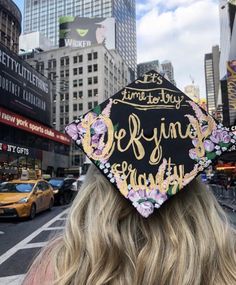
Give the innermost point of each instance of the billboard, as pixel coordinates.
(22, 88)
(84, 32)
(231, 83)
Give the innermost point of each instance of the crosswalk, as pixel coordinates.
(27, 249)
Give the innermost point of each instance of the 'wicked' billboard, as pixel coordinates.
(22, 88)
(83, 32)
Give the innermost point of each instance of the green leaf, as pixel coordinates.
(97, 110)
(210, 155)
(116, 127)
(224, 144)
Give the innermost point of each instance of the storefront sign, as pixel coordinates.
(22, 88)
(28, 125)
(14, 149)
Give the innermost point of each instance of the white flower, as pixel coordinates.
(101, 166)
(107, 165)
(129, 187)
(218, 152)
(217, 147)
(112, 180)
(105, 170)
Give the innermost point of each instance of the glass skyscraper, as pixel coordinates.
(43, 15)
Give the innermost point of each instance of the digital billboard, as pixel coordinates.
(83, 32)
(22, 88)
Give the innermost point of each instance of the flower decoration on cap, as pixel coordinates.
(150, 140)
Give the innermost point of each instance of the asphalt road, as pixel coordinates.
(20, 241)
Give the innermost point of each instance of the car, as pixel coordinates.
(25, 198)
(62, 189)
(77, 184)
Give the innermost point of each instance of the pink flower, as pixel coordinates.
(95, 140)
(192, 153)
(81, 129)
(216, 136)
(91, 114)
(99, 127)
(209, 146)
(145, 208)
(134, 196)
(72, 131)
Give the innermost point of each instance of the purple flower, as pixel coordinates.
(72, 131)
(145, 208)
(193, 154)
(204, 129)
(99, 127)
(91, 114)
(95, 140)
(225, 137)
(209, 146)
(220, 136)
(195, 142)
(98, 152)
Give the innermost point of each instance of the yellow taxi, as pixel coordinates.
(25, 198)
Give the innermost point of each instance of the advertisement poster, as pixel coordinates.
(84, 32)
(22, 88)
(231, 83)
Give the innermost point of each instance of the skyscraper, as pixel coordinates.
(212, 80)
(168, 69)
(147, 66)
(43, 16)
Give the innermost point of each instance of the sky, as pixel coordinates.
(181, 31)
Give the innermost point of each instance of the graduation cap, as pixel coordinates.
(150, 140)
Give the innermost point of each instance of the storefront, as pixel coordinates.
(26, 144)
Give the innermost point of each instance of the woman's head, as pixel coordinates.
(106, 241)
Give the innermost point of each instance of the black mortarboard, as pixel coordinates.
(150, 140)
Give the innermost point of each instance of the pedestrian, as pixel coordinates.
(170, 229)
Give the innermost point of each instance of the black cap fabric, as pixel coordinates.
(150, 140)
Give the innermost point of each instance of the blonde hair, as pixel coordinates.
(106, 241)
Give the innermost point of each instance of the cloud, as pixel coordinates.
(180, 31)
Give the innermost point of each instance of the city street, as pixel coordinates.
(20, 241)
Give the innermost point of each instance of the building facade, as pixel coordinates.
(43, 16)
(227, 102)
(144, 67)
(83, 78)
(168, 69)
(10, 24)
(212, 78)
(27, 141)
(193, 92)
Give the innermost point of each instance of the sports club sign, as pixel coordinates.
(20, 122)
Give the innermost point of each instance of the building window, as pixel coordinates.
(75, 107)
(67, 96)
(90, 81)
(62, 97)
(67, 108)
(95, 55)
(80, 107)
(90, 93)
(80, 94)
(75, 58)
(81, 70)
(89, 56)
(81, 58)
(75, 71)
(67, 121)
(67, 73)
(62, 109)
(95, 103)
(90, 105)
(61, 121)
(95, 67)
(95, 92)
(74, 95)
(95, 79)
(80, 82)
(75, 83)
(67, 61)
(89, 68)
